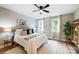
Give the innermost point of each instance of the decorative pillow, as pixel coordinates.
(18, 31)
(23, 33)
(30, 31)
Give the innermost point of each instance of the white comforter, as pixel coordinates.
(31, 43)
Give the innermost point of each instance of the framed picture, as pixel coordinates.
(20, 22)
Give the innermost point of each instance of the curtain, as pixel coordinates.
(55, 27)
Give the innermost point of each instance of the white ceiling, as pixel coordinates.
(55, 9)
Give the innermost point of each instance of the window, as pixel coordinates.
(55, 28)
(55, 24)
(40, 26)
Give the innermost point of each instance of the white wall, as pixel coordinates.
(8, 18)
(63, 20)
(76, 14)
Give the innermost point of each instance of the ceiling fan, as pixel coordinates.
(41, 8)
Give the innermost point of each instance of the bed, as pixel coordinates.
(31, 42)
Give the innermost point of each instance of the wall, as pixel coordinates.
(64, 19)
(8, 19)
(76, 14)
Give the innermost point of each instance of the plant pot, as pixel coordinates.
(68, 41)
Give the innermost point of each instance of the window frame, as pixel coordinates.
(37, 25)
(58, 24)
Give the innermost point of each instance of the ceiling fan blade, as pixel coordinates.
(35, 10)
(36, 5)
(46, 11)
(46, 6)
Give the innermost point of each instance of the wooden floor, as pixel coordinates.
(56, 47)
(51, 47)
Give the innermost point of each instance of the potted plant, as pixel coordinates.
(68, 30)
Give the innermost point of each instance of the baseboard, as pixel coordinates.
(62, 40)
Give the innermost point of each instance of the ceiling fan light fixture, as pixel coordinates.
(41, 11)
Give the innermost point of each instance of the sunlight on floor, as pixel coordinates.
(56, 47)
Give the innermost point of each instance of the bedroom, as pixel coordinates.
(50, 25)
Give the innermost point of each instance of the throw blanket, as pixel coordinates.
(35, 43)
(30, 36)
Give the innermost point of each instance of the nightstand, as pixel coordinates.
(6, 43)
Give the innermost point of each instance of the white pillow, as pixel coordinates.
(21, 32)
(18, 31)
